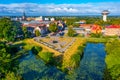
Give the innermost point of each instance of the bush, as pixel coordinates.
(36, 49)
(71, 32)
(47, 57)
(12, 76)
(37, 33)
(96, 35)
(53, 27)
(75, 60)
(115, 36)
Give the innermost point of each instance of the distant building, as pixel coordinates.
(24, 16)
(39, 18)
(46, 19)
(52, 19)
(42, 26)
(81, 22)
(86, 26)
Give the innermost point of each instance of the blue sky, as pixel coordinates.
(55, 1)
(59, 7)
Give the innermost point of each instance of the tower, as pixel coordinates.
(104, 14)
(24, 16)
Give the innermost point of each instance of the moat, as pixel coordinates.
(91, 66)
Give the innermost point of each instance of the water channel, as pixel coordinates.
(91, 67)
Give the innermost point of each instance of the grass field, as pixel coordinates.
(71, 51)
(30, 43)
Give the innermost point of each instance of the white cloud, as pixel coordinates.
(59, 9)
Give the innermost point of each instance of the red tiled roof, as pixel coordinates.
(85, 25)
(96, 27)
(34, 25)
(113, 26)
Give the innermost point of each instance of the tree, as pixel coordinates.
(7, 64)
(5, 59)
(25, 32)
(8, 29)
(71, 32)
(47, 57)
(37, 32)
(12, 76)
(36, 49)
(53, 27)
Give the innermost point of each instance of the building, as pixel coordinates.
(96, 29)
(104, 14)
(46, 19)
(39, 18)
(52, 19)
(112, 30)
(42, 26)
(86, 26)
(81, 22)
(24, 16)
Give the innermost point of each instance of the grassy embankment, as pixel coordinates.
(27, 44)
(73, 54)
(113, 58)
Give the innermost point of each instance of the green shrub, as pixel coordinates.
(96, 35)
(115, 36)
(75, 60)
(36, 49)
(47, 57)
(53, 27)
(81, 48)
(37, 33)
(71, 32)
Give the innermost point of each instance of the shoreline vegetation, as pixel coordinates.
(113, 58)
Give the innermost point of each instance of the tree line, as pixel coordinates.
(11, 30)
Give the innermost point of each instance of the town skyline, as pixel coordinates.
(58, 8)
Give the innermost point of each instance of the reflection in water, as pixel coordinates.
(91, 66)
(34, 69)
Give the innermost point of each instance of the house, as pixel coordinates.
(112, 30)
(86, 26)
(96, 29)
(81, 22)
(42, 26)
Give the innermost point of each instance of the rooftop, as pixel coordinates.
(113, 26)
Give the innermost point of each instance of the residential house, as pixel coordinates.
(96, 29)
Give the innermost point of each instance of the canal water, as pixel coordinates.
(91, 67)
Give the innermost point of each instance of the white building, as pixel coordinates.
(52, 19)
(39, 18)
(46, 19)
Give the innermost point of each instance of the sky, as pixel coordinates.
(59, 7)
